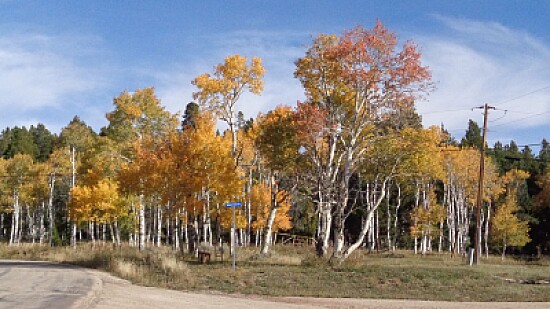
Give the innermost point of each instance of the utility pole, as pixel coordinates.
(477, 244)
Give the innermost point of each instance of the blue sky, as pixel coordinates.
(64, 58)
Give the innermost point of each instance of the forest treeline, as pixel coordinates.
(351, 166)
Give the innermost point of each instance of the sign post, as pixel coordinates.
(233, 229)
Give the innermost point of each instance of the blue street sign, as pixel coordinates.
(233, 204)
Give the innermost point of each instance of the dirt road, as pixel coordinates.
(50, 285)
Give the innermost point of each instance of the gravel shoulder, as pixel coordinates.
(117, 293)
(26, 284)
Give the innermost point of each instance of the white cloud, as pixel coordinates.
(54, 77)
(486, 62)
(472, 64)
(45, 75)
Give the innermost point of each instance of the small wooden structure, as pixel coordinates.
(204, 257)
(205, 253)
(295, 240)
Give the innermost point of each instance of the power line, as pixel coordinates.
(520, 119)
(523, 95)
(516, 112)
(505, 113)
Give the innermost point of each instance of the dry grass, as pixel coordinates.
(295, 271)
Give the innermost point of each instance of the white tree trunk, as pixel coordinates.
(117, 233)
(368, 221)
(14, 239)
(388, 223)
(327, 228)
(42, 227)
(51, 214)
(268, 231)
(141, 211)
(159, 226)
(31, 223)
(104, 232)
(73, 183)
(487, 230)
(91, 225)
(177, 233)
(396, 217)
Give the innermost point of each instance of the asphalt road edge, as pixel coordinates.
(88, 300)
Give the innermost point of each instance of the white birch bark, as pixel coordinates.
(272, 213)
(177, 232)
(159, 225)
(396, 217)
(14, 239)
(348, 251)
(141, 211)
(42, 227)
(73, 183)
(51, 214)
(91, 227)
(486, 236)
(388, 223)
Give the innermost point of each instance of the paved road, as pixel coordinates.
(50, 285)
(42, 285)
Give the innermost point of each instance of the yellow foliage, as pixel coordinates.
(226, 217)
(220, 92)
(276, 139)
(261, 200)
(137, 115)
(461, 167)
(507, 229)
(514, 178)
(202, 167)
(428, 217)
(99, 202)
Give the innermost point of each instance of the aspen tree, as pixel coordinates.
(278, 146)
(138, 117)
(17, 168)
(508, 229)
(357, 79)
(221, 91)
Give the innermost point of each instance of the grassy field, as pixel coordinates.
(295, 271)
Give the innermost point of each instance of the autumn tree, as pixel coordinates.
(204, 175)
(417, 157)
(103, 162)
(404, 155)
(18, 169)
(221, 91)
(78, 137)
(57, 166)
(278, 145)
(358, 79)
(99, 202)
(508, 229)
(318, 170)
(262, 203)
(139, 117)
